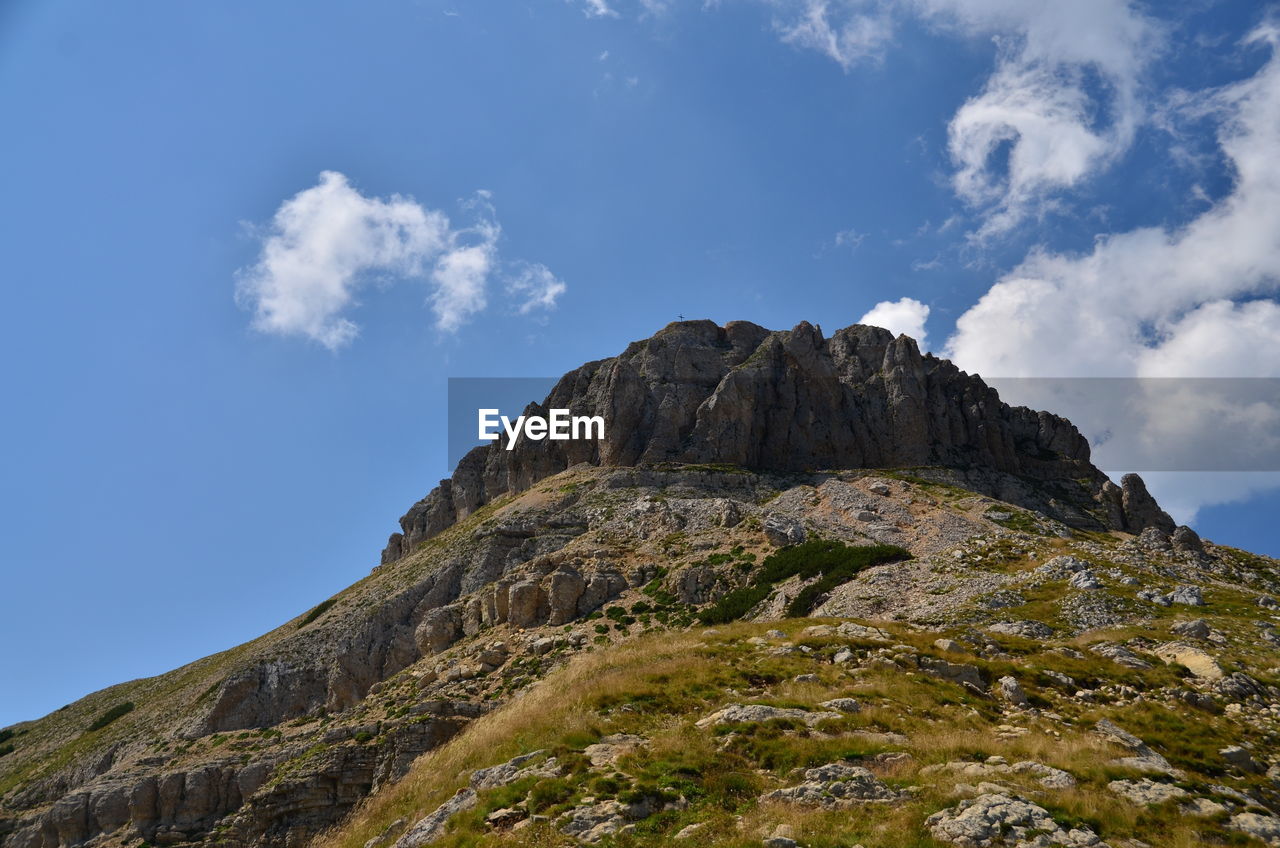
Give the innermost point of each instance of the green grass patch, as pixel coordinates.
(1012, 519)
(319, 610)
(111, 715)
(833, 562)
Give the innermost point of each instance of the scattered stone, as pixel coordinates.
(748, 713)
(1120, 654)
(505, 817)
(1143, 759)
(1191, 596)
(948, 645)
(690, 831)
(1266, 828)
(783, 530)
(1242, 759)
(592, 822)
(835, 785)
(610, 748)
(1008, 689)
(853, 630)
(512, 770)
(1196, 629)
(1000, 819)
(432, 827)
(1186, 540)
(1147, 791)
(1204, 807)
(1155, 597)
(1059, 678)
(844, 705)
(1047, 776)
(387, 832)
(1197, 661)
(1025, 629)
(1085, 580)
(965, 675)
(1199, 700)
(879, 487)
(1062, 567)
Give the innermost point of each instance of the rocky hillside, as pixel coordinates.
(991, 644)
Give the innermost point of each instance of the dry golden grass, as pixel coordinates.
(559, 706)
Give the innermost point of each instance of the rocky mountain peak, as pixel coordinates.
(791, 401)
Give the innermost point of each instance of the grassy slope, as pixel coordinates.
(659, 685)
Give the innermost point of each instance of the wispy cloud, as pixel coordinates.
(851, 238)
(598, 9)
(848, 32)
(328, 242)
(535, 287)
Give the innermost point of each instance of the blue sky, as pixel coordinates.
(245, 245)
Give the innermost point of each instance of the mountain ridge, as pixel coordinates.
(792, 400)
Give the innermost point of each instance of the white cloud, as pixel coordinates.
(851, 239)
(1153, 301)
(847, 32)
(598, 9)
(1038, 126)
(1197, 301)
(1062, 103)
(328, 242)
(536, 287)
(904, 316)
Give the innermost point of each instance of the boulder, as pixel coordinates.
(564, 588)
(522, 604)
(1010, 691)
(748, 713)
(834, 785)
(1001, 819)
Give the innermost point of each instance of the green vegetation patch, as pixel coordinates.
(833, 562)
(320, 609)
(111, 715)
(1011, 519)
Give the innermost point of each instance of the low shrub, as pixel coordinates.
(833, 562)
(320, 609)
(111, 715)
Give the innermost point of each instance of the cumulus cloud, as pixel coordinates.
(903, 316)
(327, 242)
(1196, 301)
(1154, 301)
(1062, 103)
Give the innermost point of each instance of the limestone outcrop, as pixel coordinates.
(744, 396)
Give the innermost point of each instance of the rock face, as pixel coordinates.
(786, 401)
